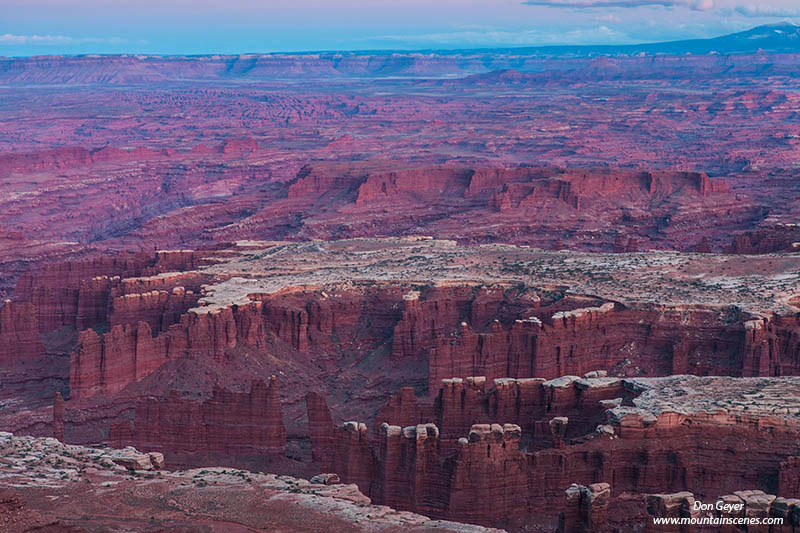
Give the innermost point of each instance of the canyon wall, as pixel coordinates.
(485, 204)
(19, 333)
(499, 448)
(234, 424)
(136, 317)
(494, 475)
(78, 293)
(502, 334)
(129, 352)
(782, 238)
(537, 66)
(436, 327)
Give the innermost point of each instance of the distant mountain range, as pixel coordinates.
(698, 58)
(780, 37)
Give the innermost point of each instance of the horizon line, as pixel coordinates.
(404, 51)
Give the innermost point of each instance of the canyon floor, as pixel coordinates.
(408, 292)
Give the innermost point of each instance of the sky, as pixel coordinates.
(47, 27)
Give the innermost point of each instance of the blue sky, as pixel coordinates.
(30, 27)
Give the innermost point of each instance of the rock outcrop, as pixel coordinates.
(232, 424)
(500, 475)
(542, 342)
(82, 294)
(129, 352)
(58, 417)
(586, 509)
(322, 432)
(432, 327)
(780, 238)
(90, 481)
(19, 333)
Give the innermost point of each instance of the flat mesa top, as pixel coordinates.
(757, 284)
(756, 397)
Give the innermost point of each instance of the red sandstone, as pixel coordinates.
(177, 282)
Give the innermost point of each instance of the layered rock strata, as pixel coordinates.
(48, 486)
(685, 433)
(231, 424)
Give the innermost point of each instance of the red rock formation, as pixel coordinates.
(457, 329)
(434, 315)
(703, 247)
(321, 432)
(492, 477)
(313, 182)
(678, 505)
(131, 198)
(780, 238)
(19, 333)
(531, 403)
(159, 308)
(239, 146)
(403, 409)
(586, 509)
(314, 320)
(58, 417)
(409, 474)
(109, 363)
(129, 352)
(76, 293)
(460, 404)
(449, 326)
(231, 423)
(412, 184)
(456, 174)
(771, 346)
(190, 281)
(44, 160)
(490, 454)
(92, 305)
(502, 330)
(789, 479)
(354, 460)
(342, 449)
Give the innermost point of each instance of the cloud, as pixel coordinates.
(10, 39)
(763, 10)
(698, 5)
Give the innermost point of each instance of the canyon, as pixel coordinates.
(434, 376)
(521, 290)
